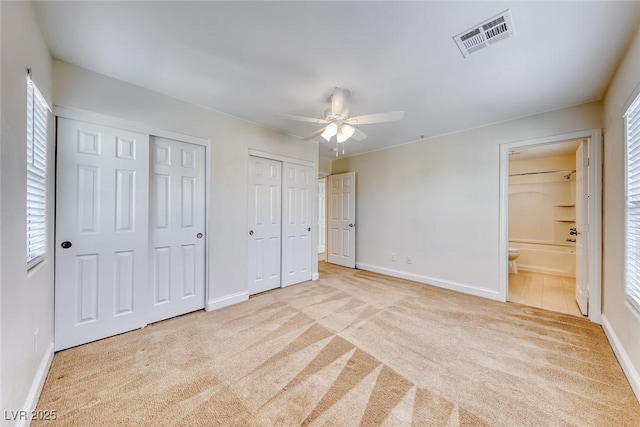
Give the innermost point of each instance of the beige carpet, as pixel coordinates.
(354, 348)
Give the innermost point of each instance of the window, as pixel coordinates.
(632, 232)
(37, 117)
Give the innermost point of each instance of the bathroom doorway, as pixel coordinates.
(542, 226)
(550, 224)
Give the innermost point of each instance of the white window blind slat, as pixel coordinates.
(37, 122)
(632, 201)
(635, 125)
(634, 163)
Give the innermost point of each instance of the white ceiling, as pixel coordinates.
(256, 59)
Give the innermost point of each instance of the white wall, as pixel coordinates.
(231, 138)
(537, 224)
(437, 201)
(534, 213)
(620, 320)
(26, 299)
(550, 163)
(324, 168)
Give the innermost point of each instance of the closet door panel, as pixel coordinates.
(101, 232)
(177, 228)
(264, 227)
(297, 223)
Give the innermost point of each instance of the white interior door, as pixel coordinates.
(101, 232)
(342, 219)
(177, 228)
(582, 228)
(322, 216)
(264, 201)
(297, 220)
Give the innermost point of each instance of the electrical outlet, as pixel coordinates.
(393, 256)
(409, 260)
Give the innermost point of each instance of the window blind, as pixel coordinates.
(37, 119)
(632, 232)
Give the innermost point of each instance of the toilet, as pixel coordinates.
(513, 254)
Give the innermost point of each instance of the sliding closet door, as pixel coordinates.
(264, 228)
(177, 270)
(101, 232)
(297, 217)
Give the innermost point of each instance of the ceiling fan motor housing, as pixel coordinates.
(329, 116)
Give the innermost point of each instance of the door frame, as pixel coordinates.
(116, 122)
(594, 209)
(314, 229)
(323, 177)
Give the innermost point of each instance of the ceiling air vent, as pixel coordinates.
(486, 33)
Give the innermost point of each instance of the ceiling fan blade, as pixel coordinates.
(340, 101)
(376, 118)
(302, 118)
(313, 135)
(358, 135)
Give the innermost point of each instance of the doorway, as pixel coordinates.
(543, 194)
(550, 223)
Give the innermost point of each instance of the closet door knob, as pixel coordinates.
(309, 229)
(65, 245)
(250, 232)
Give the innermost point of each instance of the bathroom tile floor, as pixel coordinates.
(556, 293)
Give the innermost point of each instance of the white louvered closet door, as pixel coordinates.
(101, 232)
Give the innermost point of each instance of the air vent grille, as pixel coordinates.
(486, 33)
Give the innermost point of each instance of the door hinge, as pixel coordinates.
(588, 161)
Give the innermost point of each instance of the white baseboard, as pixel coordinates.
(37, 384)
(630, 371)
(226, 301)
(446, 284)
(315, 276)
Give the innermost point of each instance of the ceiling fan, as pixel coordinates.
(337, 120)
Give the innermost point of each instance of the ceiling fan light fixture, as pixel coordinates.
(347, 131)
(337, 121)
